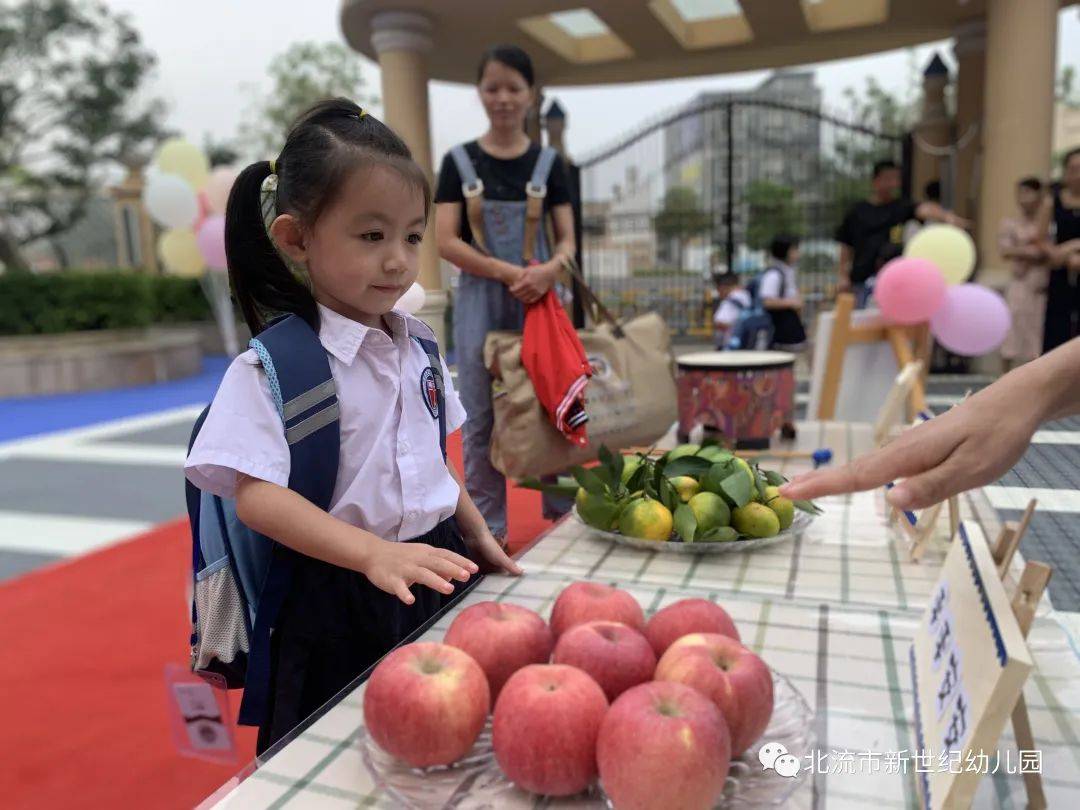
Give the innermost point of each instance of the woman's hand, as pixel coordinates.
(535, 282)
(394, 567)
(973, 444)
(492, 556)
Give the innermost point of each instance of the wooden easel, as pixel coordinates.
(1008, 539)
(920, 528)
(893, 412)
(909, 344)
(1025, 602)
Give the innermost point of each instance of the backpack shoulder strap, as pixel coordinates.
(535, 193)
(472, 188)
(302, 385)
(425, 337)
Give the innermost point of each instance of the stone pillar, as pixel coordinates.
(402, 39)
(933, 132)
(1021, 45)
(136, 245)
(970, 53)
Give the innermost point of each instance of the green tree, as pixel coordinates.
(680, 219)
(771, 210)
(305, 73)
(73, 103)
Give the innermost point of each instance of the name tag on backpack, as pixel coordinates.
(199, 715)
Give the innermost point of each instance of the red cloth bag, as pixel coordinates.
(555, 361)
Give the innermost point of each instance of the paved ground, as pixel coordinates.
(81, 472)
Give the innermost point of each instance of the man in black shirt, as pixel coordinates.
(873, 229)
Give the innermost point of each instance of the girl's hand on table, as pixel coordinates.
(969, 446)
(394, 567)
(492, 555)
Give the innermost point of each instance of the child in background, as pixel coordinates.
(347, 207)
(778, 289)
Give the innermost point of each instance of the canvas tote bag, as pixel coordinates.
(630, 400)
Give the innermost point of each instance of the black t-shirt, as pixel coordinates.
(503, 180)
(870, 231)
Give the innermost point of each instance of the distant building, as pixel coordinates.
(619, 239)
(772, 142)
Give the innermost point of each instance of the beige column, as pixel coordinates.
(970, 53)
(402, 39)
(1021, 45)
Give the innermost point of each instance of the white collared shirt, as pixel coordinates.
(391, 477)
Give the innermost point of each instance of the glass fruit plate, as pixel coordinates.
(476, 783)
(798, 525)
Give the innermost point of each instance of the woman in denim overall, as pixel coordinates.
(492, 197)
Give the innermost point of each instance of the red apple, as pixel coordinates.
(616, 656)
(583, 602)
(426, 703)
(663, 745)
(684, 617)
(501, 638)
(731, 676)
(545, 726)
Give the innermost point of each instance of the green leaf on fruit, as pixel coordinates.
(737, 489)
(808, 506)
(589, 480)
(616, 466)
(685, 523)
(721, 534)
(639, 477)
(565, 486)
(714, 477)
(760, 483)
(669, 497)
(774, 478)
(694, 466)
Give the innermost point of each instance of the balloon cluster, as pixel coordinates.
(927, 283)
(185, 196)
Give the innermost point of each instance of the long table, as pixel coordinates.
(833, 611)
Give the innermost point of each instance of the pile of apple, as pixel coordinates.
(656, 709)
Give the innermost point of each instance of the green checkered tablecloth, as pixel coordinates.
(834, 612)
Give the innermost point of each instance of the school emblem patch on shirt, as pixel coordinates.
(430, 391)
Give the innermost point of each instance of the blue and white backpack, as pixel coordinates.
(754, 327)
(241, 578)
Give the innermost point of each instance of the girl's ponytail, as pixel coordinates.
(262, 283)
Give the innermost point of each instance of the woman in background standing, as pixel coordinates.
(484, 186)
(1020, 242)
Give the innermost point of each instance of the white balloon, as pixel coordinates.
(170, 201)
(413, 299)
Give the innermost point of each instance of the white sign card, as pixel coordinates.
(969, 662)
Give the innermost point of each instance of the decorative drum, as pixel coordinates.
(745, 396)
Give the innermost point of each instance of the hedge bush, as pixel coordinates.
(77, 301)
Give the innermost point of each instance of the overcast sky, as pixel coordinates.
(212, 52)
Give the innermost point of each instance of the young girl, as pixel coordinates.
(348, 213)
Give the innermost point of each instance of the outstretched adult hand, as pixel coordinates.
(971, 445)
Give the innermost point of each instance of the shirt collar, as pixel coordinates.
(343, 337)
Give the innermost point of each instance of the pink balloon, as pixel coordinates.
(973, 320)
(909, 290)
(211, 241)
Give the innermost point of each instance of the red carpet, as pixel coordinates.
(84, 647)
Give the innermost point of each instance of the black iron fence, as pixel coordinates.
(706, 188)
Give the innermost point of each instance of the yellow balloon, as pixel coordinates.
(177, 156)
(179, 250)
(947, 246)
